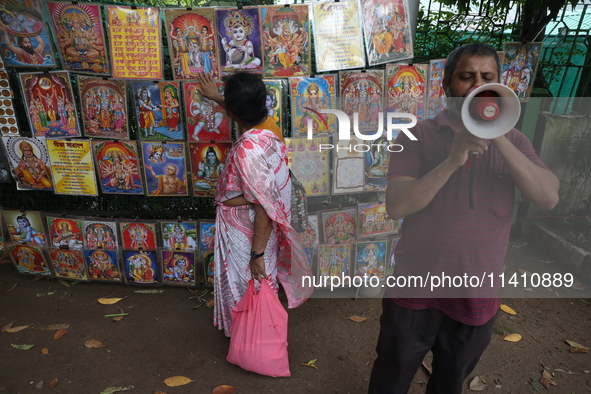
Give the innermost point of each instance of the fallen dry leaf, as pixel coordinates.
(547, 380)
(223, 389)
(576, 344)
(45, 350)
(579, 350)
(6, 327)
(93, 343)
(311, 364)
(508, 309)
(159, 392)
(109, 301)
(53, 382)
(175, 381)
(478, 384)
(357, 319)
(210, 303)
(117, 318)
(512, 338)
(59, 334)
(16, 329)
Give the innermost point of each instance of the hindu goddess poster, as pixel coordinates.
(72, 167)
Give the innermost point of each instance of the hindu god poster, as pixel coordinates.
(310, 237)
(28, 259)
(8, 122)
(207, 162)
(377, 161)
(135, 42)
(286, 40)
(308, 97)
(309, 164)
(361, 93)
(436, 98)
(207, 257)
(65, 233)
(338, 40)
(158, 110)
(274, 101)
(179, 235)
(68, 264)
(100, 234)
(118, 167)
(206, 119)
(141, 267)
(72, 167)
(178, 268)
(25, 227)
(104, 107)
(340, 227)
(375, 222)
(192, 39)
(50, 104)
(206, 235)
(519, 65)
(387, 31)
(78, 29)
(138, 235)
(29, 163)
(348, 167)
(165, 170)
(239, 36)
(392, 259)
(370, 259)
(334, 260)
(406, 89)
(102, 265)
(24, 40)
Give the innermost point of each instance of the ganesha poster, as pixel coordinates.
(310, 95)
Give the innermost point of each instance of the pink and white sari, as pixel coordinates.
(257, 168)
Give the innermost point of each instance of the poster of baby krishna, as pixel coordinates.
(118, 167)
(370, 258)
(50, 104)
(157, 110)
(138, 235)
(80, 37)
(192, 41)
(25, 227)
(104, 107)
(24, 40)
(309, 96)
(28, 259)
(206, 119)
(141, 267)
(207, 162)
(68, 264)
(165, 170)
(178, 268)
(239, 44)
(406, 89)
(286, 42)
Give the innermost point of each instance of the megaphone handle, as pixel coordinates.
(471, 180)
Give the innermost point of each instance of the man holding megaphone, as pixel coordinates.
(442, 236)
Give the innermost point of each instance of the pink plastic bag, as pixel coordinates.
(259, 332)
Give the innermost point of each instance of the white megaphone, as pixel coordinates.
(490, 111)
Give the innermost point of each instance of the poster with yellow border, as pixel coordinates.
(72, 167)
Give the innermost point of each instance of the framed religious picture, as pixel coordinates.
(375, 222)
(72, 167)
(192, 42)
(68, 264)
(334, 260)
(519, 65)
(78, 29)
(100, 234)
(138, 235)
(308, 97)
(361, 93)
(338, 40)
(339, 227)
(274, 101)
(65, 233)
(102, 265)
(310, 254)
(207, 162)
(309, 164)
(436, 98)
(286, 40)
(178, 268)
(207, 256)
(29, 259)
(206, 120)
(206, 234)
(370, 259)
(24, 39)
(348, 168)
(386, 27)
(50, 104)
(141, 267)
(179, 235)
(8, 119)
(391, 258)
(406, 89)
(104, 107)
(377, 161)
(310, 237)
(29, 163)
(135, 42)
(117, 164)
(239, 35)
(25, 227)
(158, 110)
(165, 168)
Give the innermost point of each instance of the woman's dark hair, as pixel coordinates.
(472, 49)
(245, 97)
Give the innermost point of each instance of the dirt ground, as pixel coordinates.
(163, 336)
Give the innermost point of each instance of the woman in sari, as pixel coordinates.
(253, 238)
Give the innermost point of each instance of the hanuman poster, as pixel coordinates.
(308, 97)
(158, 110)
(286, 40)
(192, 41)
(79, 33)
(50, 104)
(206, 119)
(135, 43)
(118, 167)
(104, 109)
(29, 163)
